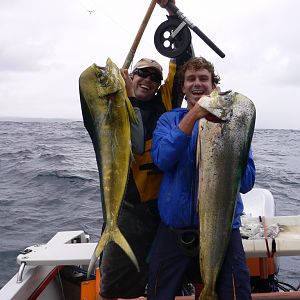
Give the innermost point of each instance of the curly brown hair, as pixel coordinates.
(198, 63)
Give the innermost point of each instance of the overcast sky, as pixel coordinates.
(45, 45)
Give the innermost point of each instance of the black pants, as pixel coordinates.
(169, 268)
(119, 277)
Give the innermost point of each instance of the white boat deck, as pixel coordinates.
(62, 250)
(40, 261)
(65, 248)
(287, 242)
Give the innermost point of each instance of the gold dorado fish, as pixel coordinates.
(223, 150)
(106, 112)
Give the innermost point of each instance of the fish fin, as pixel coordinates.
(131, 112)
(91, 265)
(105, 238)
(119, 239)
(198, 144)
(198, 158)
(132, 159)
(208, 294)
(198, 150)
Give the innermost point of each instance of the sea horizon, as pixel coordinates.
(66, 120)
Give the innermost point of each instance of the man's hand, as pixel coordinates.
(163, 4)
(195, 113)
(128, 83)
(215, 103)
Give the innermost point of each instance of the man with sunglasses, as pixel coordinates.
(139, 218)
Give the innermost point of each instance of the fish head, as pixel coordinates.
(110, 80)
(218, 104)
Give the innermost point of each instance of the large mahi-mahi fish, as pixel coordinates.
(106, 112)
(224, 149)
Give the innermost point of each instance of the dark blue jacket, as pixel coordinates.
(174, 153)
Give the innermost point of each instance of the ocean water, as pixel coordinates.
(49, 182)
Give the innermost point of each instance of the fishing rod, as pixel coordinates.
(138, 36)
(178, 38)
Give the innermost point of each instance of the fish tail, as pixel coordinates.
(208, 294)
(119, 239)
(91, 265)
(116, 236)
(105, 238)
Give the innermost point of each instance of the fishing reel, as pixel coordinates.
(172, 38)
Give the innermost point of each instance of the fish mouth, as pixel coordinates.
(225, 93)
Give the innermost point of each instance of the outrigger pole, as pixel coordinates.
(184, 19)
(138, 36)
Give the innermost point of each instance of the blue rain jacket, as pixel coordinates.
(174, 153)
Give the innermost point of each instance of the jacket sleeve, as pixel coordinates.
(168, 143)
(248, 178)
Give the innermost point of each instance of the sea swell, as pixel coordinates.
(49, 182)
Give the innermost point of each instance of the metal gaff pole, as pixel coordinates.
(138, 36)
(183, 18)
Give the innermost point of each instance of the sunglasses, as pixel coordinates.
(155, 77)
